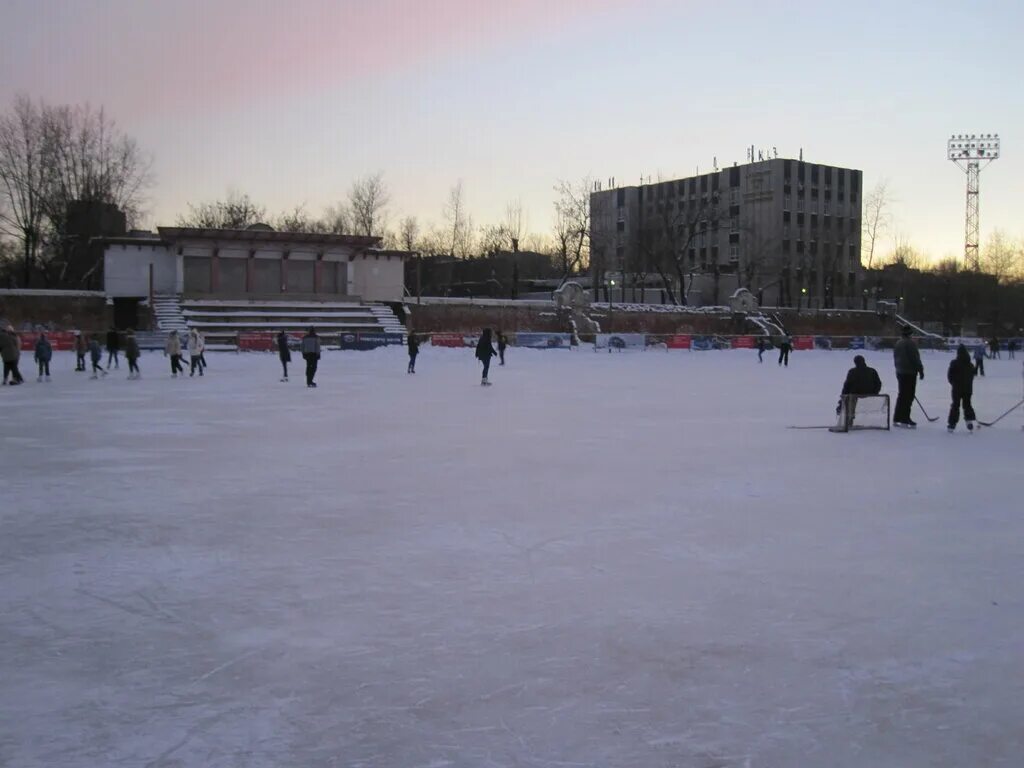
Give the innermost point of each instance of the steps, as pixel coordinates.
(167, 310)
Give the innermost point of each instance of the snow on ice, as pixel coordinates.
(602, 560)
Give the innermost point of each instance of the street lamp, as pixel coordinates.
(804, 300)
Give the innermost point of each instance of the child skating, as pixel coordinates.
(484, 353)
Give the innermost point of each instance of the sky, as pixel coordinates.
(289, 102)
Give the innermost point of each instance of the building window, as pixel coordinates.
(787, 203)
(799, 219)
(814, 174)
(734, 210)
(799, 247)
(734, 237)
(814, 193)
(734, 196)
(693, 255)
(799, 204)
(703, 183)
(734, 253)
(620, 198)
(785, 217)
(620, 226)
(785, 245)
(734, 176)
(814, 221)
(787, 168)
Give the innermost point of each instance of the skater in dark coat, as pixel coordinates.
(96, 356)
(785, 347)
(131, 354)
(284, 354)
(961, 379)
(861, 380)
(44, 353)
(484, 353)
(979, 359)
(993, 346)
(909, 369)
(311, 354)
(414, 349)
(113, 347)
(761, 347)
(81, 349)
(10, 352)
(502, 344)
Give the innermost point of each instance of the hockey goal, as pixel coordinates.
(857, 412)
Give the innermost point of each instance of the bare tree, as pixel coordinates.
(296, 220)
(22, 176)
(1001, 257)
(877, 220)
(571, 226)
(337, 220)
(236, 211)
(514, 224)
(460, 223)
(368, 200)
(408, 233)
(904, 254)
(492, 239)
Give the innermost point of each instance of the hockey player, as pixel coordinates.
(96, 356)
(113, 347)
(907, 359)
(484, 353)
(961, 379)
(414, 349)
(860, 380)
(283, 353)
(173, 350)
(311, 354)
(44, 353)
(131, 354)
(785, 347)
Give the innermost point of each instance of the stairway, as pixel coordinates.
(167, 310)
(388, 320)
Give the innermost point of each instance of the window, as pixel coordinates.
(734, 237)
(800, 204)
(787, 188)
(620, 197)
(693, 186)
(787, 168)
(827, 208)
(734, 176)
(801, 170)
(799, 219)
(734, 253)
(785, 230)
(787, 203)
(814, 221)
(714, 182)
(785, 217)
(785, 245)
(703, 183)
(814, 174)
(734, 195)
(734, 210)
(814, 193)
(620, 226)
(693, 255)
(799, 248)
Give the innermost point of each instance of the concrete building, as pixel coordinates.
(787, 230)
(255, 263)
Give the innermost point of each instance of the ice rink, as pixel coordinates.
(603, 560)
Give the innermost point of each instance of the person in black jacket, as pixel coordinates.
(502, 344)
(761, 347)
(785, 347)
(907, 360)
(113, 347)
(284, 353)
(862, 379)
(961, 379)
(311, 354)
(414, 349)
(484, 353)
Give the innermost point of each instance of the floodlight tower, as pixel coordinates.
(971, 153)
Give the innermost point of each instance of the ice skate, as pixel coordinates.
(970, 426)
(284, 379)
(951, 429)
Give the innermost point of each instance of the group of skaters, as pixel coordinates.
(863, 380)
(196, 346)
(484, 352)
(310, 349)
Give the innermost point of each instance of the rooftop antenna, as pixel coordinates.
(971, 153)
(801, 154)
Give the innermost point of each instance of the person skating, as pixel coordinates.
(96, 356)
(195, 351)
(131, 354)
(81, 349)
(10, 353)
(113, 347)
(44, 353)
(993, 346)
(311, 354)
(761, 347)
(785, 347)
(862, 379)
(173, 350)
(961, 380)
(414, 349)
(1011, 349)
(979, 359)
(284, 354)
(502, 344)
(202, 352)
(484, 353)
(907, 359)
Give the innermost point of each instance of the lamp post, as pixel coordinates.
(803, 298)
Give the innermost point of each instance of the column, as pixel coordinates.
(248, 271)
(215, 271)
(317, 270)
(284, 271)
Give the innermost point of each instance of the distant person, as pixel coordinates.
(44, 353)
(979, 360)
(861, 380)
(81, 349)
(284, 354)
(961, 380)
(173, 350)
(993, 346)
(131, 354)
(907, 359)
(10, 353)
(113, 347)
(484, 353)
(414, 349)
(1011, 348)
(202, 352)
(96, 356)
(311, 354)
(195, 352)
(785, 347)
(761, 347)
(502, 344)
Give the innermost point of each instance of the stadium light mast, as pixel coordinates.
(971, 153)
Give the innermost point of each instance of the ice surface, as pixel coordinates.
(602, 560)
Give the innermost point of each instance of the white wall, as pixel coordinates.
(378, 278)
(126, 270)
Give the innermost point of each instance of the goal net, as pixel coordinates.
(858, 412)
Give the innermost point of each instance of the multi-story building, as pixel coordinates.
(787, 230)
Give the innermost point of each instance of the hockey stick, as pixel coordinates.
(830, 426)
(930, 418)
(1006, 413)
